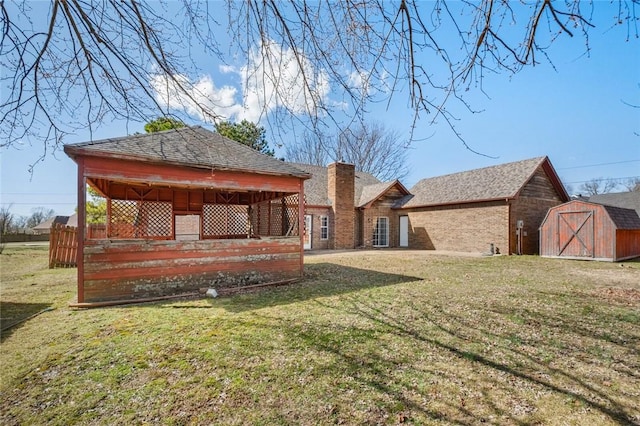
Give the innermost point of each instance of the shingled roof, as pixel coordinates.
(371, 193)
(623, 218)
(627, 200)
(500, 182)
(188, 146)
(316, 188)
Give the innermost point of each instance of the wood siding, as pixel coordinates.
(131, 269)
(531, 206)
(579, 230)
(627, 244)
(532, 212)
(126, 171)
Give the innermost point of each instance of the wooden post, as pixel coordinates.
(53, 245)
(301, 224)
(82, 205)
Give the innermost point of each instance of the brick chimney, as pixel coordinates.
(341, 186)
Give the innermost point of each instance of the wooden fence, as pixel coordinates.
(96, 231)
(63, 246)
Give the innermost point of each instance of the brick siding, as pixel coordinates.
(341, 188)
(317, 212)
(381, 208)
(461, 227)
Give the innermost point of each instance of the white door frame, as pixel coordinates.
(404, 231)
(381, 236)
(308, 231)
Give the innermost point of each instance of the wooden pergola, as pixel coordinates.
(186, 209)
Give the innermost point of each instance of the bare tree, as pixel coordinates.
(598, 186)
(632, 184)
(314, 148)
(83, 63)
(6, 219)
(374, 149)
(371, 147)
(87, 63)
(39, 215)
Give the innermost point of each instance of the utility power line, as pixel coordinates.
(599, 164)
(606, 179)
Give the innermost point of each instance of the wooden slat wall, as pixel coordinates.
(128, 269)
(608, 242)
(169, 175)
(627, 243)
(63, 246)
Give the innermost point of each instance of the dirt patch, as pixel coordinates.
(627, 296)
(621, 276)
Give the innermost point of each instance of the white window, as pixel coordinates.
(381, 232)
(324, 227)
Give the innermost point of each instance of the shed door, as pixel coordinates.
(575, 234)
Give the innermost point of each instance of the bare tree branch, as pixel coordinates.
(320, 64)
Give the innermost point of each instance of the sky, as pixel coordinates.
(578, 112)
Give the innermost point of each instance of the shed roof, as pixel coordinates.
(316, 188)
(623, 218)
(188, 146)
(503, 181)
(627, 200)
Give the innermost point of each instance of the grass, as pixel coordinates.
(367, 338)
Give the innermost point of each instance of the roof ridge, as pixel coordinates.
(496, 166)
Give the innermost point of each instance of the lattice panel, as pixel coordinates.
(277, 217)
(260, 218)
(140, 219)
(224, 220)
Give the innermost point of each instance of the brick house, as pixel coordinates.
(346, 209)
(502, 205)
(467, 211)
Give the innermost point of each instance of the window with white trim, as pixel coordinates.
(324, 227)
(381, 232)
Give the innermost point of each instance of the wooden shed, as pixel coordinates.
(186, 209)
(584, 230)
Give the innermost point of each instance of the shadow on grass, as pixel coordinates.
(320, 280)
(466, 341)
(13, 315)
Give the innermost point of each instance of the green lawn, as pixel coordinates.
(366, 338)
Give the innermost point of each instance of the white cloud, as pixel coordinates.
(227, 69)
(272, 78)
(359, 81)
(205, 100)
(275, 77)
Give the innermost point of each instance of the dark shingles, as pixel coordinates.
(623, 218)
(188, 146)
(490, 183)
